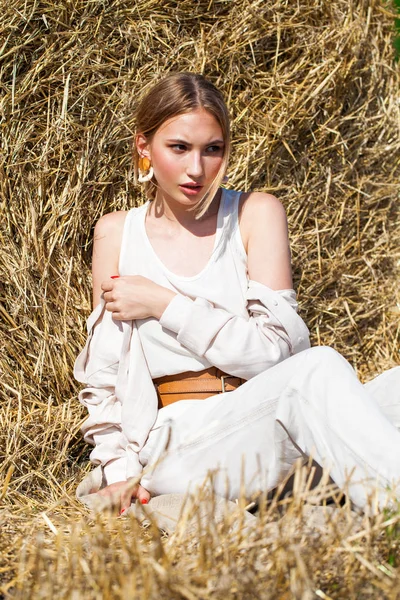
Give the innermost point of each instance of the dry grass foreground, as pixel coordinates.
(313, 90)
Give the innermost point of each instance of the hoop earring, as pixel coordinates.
(146, 171)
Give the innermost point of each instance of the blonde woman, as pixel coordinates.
(196, 352)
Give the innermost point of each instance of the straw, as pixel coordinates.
(313, 89)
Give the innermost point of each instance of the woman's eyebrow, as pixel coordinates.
(179, 141)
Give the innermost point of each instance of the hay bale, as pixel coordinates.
(312, 87)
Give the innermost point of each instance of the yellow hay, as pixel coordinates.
(313, 90)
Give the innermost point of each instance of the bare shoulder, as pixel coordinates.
(263, 227)
(110, 225)
(106, 249)
(261, 211)
(258, 204)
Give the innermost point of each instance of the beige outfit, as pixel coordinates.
(246, 329)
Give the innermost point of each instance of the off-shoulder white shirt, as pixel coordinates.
(218, 317)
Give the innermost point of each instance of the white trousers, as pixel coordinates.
(310, 404)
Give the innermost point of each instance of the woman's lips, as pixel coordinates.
(192, 190)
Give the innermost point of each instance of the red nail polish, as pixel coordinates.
(144, 501)
(122, 511)
(114, 276)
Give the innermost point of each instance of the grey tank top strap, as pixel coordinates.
(230, 216)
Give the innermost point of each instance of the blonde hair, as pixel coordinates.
(176, 94)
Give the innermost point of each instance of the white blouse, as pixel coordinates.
(218, 317)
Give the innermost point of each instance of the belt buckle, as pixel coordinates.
(223, 377)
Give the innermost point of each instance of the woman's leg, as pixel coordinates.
(311, 403)
(385, 390)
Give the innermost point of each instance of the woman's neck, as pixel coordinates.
(179, 213)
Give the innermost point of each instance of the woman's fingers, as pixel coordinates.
(143, 495)
(111, 304)
(121, 494)
(110, 296)
(111, 301)
(133, 297)
(126, 497)
(107, 285)
(138, 492)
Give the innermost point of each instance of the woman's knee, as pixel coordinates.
(327, 357)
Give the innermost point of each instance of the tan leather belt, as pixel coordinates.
(194, 385)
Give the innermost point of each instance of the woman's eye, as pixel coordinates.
(214, 149)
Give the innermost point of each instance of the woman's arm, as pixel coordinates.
(239, 346)
(263, 226)
(273, 331)
(106, 248)
(97, 367)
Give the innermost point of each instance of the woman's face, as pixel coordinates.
(186, 153)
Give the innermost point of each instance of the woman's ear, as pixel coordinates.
(142, 145)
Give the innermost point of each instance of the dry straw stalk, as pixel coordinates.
(313, 90)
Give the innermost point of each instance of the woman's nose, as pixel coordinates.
(195, 164)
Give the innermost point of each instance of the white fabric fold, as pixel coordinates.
(120, 395)
(241, 347)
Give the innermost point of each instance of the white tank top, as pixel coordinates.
(223, 281)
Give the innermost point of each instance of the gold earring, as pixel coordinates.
(146, 171)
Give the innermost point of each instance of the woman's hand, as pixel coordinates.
(135, 297)
(122, 493)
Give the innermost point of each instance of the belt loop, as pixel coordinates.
(223, 377)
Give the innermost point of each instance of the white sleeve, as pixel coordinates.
(97, 367)
(239, 346)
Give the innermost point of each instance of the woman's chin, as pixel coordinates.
(180, 197)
